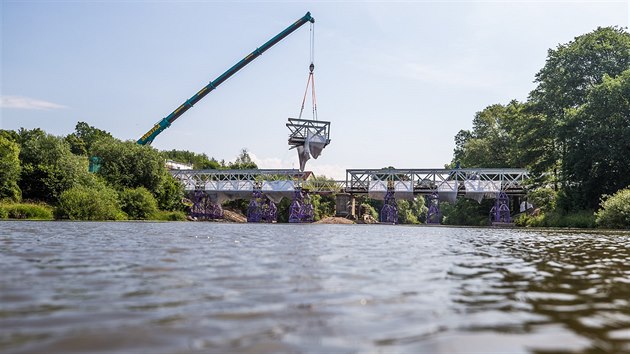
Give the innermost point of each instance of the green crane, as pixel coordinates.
(159, 127)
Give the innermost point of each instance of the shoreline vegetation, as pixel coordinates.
(582, 220)
(572, 132)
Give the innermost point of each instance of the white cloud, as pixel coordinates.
(20, 102)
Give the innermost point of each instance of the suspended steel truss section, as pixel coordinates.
(448, 183)
(309, 137)
(301, 129)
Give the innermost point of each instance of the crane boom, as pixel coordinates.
(148, 137)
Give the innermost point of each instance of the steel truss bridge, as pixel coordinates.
(207, 189)
(429, 181)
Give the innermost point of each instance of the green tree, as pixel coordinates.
(199, 161)
(570, 72)
(170, 194)
(243, 162)
(494, 141)
(405, 214)
(89, 203)
(129, 165)
(412, 212)
(84, 138)
(10, 135)
(615, 210)
(138, 203)
(9, 170)
(465, 212)
(544, 199)
(48, 166)
(598, 143)
(572, 69)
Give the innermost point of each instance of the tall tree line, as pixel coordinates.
(573, 132)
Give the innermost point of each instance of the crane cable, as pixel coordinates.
(311, 78)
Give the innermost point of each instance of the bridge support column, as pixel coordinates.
(500, 212)
(301, 209)
(389, 212)
(433, 215)
(345, 205)
(203, 207)
(254, 212)
(261, 209)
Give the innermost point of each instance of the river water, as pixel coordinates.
(216, 288)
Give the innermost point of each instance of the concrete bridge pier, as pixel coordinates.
(203, 207)
(434, 216)
(261, 208)
(500, 212)
(345, 205)
(389, 212)
(301, 209)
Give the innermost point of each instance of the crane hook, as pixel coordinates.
(311, 67)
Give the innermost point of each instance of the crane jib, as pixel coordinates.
(166, 122)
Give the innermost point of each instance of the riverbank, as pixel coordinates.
(542, 221)
(46, 212)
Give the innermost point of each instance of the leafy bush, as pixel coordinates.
(579, 219)
(9, 170)
(170, 193)
(48, 166)
(615, 210)
(465, 212)
(89, 203)
(407, 213)
(26, 211)
(543, 198)
(323, 206)
(366, 208)
(130, 165)
(168, 216)
(138, 203)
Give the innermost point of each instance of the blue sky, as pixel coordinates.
(397, 80)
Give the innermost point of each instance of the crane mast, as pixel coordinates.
(164, 123)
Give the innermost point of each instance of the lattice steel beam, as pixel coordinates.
(239, 180)
(427, 181)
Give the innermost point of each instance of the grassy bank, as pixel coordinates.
(580, 220)
(27, 211)
(42, 211)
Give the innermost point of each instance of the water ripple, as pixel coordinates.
(208, 287)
